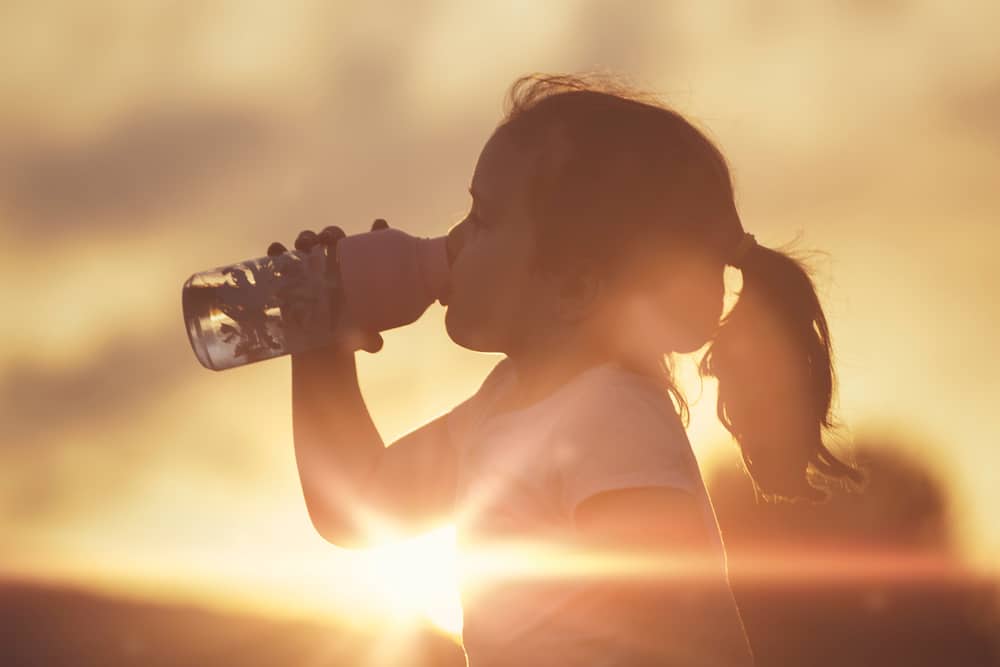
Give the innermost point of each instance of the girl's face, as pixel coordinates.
(499, 303)
(495, 297)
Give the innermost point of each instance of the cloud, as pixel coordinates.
(61, 440)
(155, 160)
(94, 439)
(975, 108)
(129, 372)
(641, 40)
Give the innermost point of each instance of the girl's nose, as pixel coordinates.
(455, 241)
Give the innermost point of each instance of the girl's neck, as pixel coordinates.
(543, 369)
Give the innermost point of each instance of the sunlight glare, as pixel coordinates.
(417, 577)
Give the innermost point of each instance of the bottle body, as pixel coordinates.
(268, 307)
(258, 309)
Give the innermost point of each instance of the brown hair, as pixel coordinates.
(616, 174)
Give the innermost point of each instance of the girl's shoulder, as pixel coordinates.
(613, 394)
(606, 395)
(620, 430)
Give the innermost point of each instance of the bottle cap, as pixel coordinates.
(389, 278)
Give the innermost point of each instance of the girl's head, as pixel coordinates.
(602, 218)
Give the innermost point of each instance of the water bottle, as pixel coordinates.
(271, 306)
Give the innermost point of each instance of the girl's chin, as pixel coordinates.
(464, 334)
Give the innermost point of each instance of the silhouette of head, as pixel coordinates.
(584, 222)
(601, 215)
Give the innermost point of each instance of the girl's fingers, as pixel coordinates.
(306, 240)
(379, 224)
(351, 338)
(330, 235)
(276, 249)
(373, 343)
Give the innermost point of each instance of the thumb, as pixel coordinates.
(373, 342)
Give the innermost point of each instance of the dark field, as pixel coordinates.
(868, 625)
(62, 626)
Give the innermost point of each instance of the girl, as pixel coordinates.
(600, 227)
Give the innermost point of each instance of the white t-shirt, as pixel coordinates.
(521, 473)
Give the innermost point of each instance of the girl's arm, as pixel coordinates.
(651, 518)
(661, 539)
(356, 490)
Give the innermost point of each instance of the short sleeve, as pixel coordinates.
(619, 434)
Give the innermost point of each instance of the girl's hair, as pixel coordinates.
(620, 178)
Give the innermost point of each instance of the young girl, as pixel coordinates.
(600, 227)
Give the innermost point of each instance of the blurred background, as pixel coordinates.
(150, 511)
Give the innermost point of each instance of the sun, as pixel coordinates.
(416, 577)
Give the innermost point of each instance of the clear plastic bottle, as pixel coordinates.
(272, 306)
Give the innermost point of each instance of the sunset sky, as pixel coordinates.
(143, 142)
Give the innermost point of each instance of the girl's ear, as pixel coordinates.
(578, 295)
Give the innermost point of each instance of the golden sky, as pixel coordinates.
(142, 142)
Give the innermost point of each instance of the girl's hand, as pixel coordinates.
(322, 247)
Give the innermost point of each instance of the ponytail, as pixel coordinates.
(772, 358)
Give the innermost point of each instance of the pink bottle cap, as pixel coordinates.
(389, 278)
